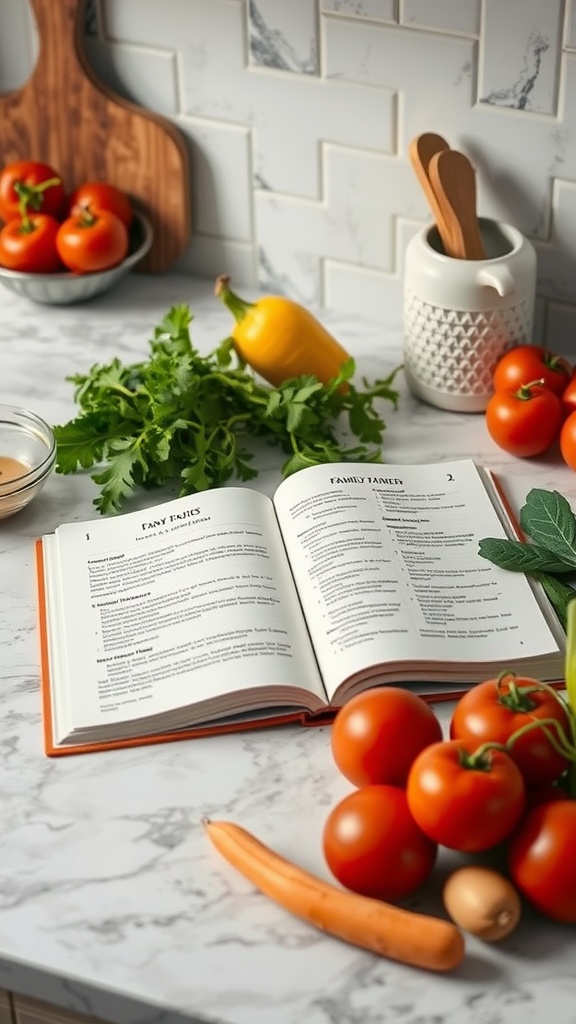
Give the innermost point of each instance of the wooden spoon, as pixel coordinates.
(421, 150)
(453, 181)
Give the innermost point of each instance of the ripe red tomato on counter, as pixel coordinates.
(568, 396)
(373, 846)
(465, 800)
(527, 363)
(92, 241)
(568, 440)
(496, 709)
(378, 733)
(32, 176)
(100, 195)
(542, 859)
(29, 244)
(524, 421)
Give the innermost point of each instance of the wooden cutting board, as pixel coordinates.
(66, 117)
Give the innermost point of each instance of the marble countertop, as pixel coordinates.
(112, 901)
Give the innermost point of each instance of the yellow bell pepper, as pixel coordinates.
(279, 338)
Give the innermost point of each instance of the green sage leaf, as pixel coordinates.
(549, 521)
(516, 556)
(559, 594)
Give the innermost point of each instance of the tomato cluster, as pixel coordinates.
(499, 780)
(46, 230)
(534, 403)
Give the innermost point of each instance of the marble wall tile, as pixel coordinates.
(570, 33)
(18, 45)
(140, 74)
(284, 36)
(222, 179)
(443, 14)
(520, 68)
(376, 10)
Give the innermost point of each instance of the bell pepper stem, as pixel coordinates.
(237, 306)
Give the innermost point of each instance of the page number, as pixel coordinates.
(450, 477)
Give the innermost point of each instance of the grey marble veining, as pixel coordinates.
(112, 901)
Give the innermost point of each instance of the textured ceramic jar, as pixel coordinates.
(460, 316)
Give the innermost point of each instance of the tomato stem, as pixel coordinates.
(525, 392)
(32, 195)
(561, 743)
(478, 761)
(518, 697)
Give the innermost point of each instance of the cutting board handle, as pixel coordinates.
(60, 30)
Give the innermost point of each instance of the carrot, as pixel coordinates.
(415, 939)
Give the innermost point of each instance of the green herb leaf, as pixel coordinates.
(548, 519)
(516, 556)
(559, 594)
(181, 416)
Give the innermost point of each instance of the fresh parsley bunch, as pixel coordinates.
(550, 554)
(183, 416)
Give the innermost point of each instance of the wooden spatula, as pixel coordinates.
(66, 117)
(453, 182)
(421, 150)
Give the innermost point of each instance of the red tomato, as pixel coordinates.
(30, 174)
(30, 244)
(373, 846)
(100, 195)
(92, 241)
(527, 363)
(526, 421)
(542, 859)
(376, 735)
(466, 802)
(568, 396)
(568, 440)
(497, 708)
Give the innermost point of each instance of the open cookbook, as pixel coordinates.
(229, 610)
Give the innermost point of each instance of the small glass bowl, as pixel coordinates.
(27, 440)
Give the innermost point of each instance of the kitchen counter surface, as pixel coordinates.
(112, 901)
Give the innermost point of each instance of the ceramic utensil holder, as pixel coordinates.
(461, 316)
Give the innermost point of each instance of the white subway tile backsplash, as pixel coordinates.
(446, 15)
(432, 70)
(520, 68)
(284, 36)
(377, 10)
(298, 118)
(353, 289)
(557, 263)
(18, 45)
(210, 256)
(141, 74)
(150, 23)
(570, 25)
(221, 179)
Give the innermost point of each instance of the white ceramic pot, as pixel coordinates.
(460, 316)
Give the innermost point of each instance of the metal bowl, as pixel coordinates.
(27, 457)
(63, 289)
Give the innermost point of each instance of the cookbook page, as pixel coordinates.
(186, 603)
(387, 566)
